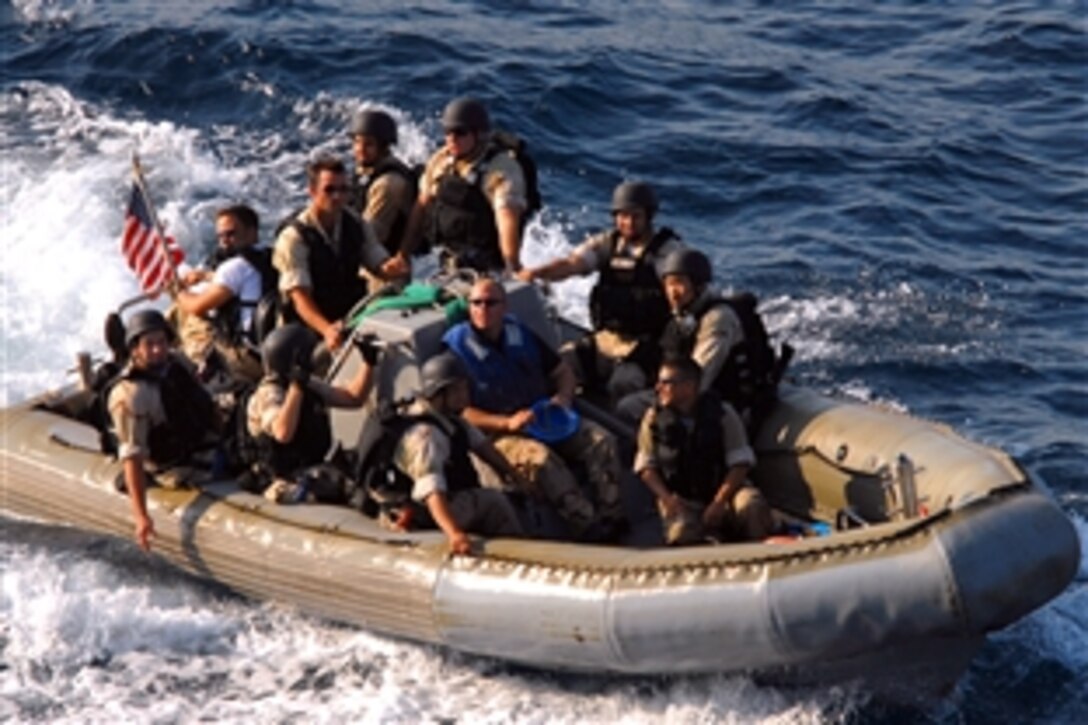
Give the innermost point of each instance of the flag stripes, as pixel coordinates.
(144, 250)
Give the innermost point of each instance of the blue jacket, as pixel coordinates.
(507, 376)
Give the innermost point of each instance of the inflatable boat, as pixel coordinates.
(912, 544)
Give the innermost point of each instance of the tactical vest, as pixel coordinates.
(691, 459)
(228, 318)
(506, 377)
(463, 220)
(747, 379)
(190, 413)
(628, 298)
(363, 182)
(464, 223)
(312, 441)
(334, 266)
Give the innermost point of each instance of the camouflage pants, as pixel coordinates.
(549, 473)
(214, 356)
(485, 512)
(747, 518)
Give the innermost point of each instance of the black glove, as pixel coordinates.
(367, 347)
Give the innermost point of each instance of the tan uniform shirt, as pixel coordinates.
(719, 330)
(503, 181)
(292, 258)
(388, 199)
(135, 406)
(734, 441)
(424, 450)
(267, 400)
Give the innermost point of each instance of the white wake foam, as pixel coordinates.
(51, 11)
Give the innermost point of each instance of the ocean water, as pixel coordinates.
(905, 187)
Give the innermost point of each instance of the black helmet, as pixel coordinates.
(440, 371)
(287, 346)
(691, 263)
(143, 322)
(378, 124)
(467, 113)
(632, 194)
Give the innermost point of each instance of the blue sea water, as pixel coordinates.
(904, 186)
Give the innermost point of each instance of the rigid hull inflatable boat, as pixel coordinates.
(934, 542)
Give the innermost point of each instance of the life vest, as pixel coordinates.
(389, 165)
(312, 441)
(334, 266)
(748, 379)
(506, 377)
(190, 414)
(628, 298)
(228, 318)
(691, 458)
(463, 220)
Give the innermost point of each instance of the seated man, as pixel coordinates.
(510, 369)
(434, 453)
(627, 305)
(322, 251)
(694, 456)
(288, 414)
(159, 411)
(219, 303)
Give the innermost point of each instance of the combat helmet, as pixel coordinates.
(143, 322)
(634, 194)
(377, 124)
(691, 263)
(467, 113)
(287, 346)
(441, 371)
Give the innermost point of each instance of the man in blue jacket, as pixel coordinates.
(511, 368)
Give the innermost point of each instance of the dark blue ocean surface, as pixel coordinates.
(904, 187)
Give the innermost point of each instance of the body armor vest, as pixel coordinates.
(691, 454)
(628, 298)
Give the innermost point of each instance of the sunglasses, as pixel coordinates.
(457, 131)
(330, 190)
(485, 302)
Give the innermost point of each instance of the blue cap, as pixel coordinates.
(553, 423)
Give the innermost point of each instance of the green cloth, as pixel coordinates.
(413, 297)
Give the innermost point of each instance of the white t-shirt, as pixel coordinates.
(244, 282)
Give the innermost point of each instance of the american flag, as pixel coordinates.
(144, 248)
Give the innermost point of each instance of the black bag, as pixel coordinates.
(506, 141)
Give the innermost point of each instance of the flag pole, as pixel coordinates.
(138, 175)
